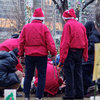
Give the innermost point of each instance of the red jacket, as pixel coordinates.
(73, 36)
(52, 83)
(9, 45)
(36, 40)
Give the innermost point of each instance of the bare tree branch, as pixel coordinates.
(9, 18)
(87, 4)
(58, 7)
(64, 6)
(18, 16)
(61, 1)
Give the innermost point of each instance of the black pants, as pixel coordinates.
(87, 77)
(31, 62)
(73, 74)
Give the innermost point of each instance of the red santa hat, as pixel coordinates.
(69, 14)
(38, 14)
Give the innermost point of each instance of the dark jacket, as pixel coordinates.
(93, 37)
(8, 61)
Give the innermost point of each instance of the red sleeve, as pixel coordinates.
(85, 52)
(50, 42)
(65, 43)
(21, 42)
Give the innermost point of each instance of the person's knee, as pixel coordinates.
(19, 74)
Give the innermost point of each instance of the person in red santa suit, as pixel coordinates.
(74, 46)
(36, 40)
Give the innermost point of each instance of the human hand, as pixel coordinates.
(53, 58)
(23, 74)
(60, 65)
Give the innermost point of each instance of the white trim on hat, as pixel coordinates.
(68, 17)
(76, 18)
(40, 18)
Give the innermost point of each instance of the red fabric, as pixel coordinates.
(52, 84)
(73, 36)
(38, 13)
(36, 40)
(19, 67)
(9, 45)
(69, 13)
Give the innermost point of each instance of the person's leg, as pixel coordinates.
(29, 72)
(87, 81)
(17, 85)
(41, 67)
(69, 65)
(99, 85)
(78, 76)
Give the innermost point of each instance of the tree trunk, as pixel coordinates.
(62, 8)
(97, 15)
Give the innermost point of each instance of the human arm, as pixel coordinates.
(85, 51)
(92, 40)
(65, 42)
(50, 43)
(21, 42)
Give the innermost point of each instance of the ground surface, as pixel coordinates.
(57, 97)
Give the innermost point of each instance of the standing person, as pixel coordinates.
(74, 45)
(93, 37)
(36, 41)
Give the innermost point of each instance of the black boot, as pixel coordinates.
(18, 95)
(1, 94)
(20, 89)
(66, 98)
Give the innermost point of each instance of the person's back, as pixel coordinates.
(10, 78)
(77, 34)
(9, 44)
(36, 37)
(8, 61)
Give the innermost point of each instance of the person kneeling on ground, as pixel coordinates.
(10, 78)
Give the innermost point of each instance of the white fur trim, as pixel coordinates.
(76, 18)
(68, 17)
(41, 18)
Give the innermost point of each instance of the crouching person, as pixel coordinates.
(10, 78)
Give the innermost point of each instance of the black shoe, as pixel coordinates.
(18, 95)
(79, 98)
(1, 94)
(66, 98)
(20, 89)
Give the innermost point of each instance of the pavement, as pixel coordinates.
(57, 97)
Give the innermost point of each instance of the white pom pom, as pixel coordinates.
(76, 18)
